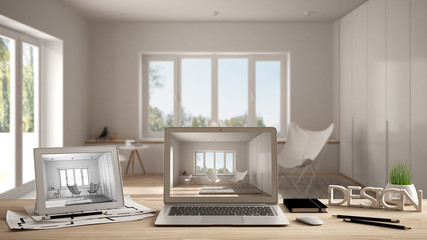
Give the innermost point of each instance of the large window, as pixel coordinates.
(214, 90)
(222, 162)
(71, 176)
(19, 108)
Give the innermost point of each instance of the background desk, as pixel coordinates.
(147, 190)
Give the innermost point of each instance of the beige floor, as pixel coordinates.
(193, 191)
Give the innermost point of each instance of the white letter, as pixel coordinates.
(400, 202)
(374, 203)
(331, 194)
(418, 206)
(351, 195)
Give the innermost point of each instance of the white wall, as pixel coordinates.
(106, 176)
(259, 167)
(175, 165)
(52, 172)
(116, 64)
(53, 18)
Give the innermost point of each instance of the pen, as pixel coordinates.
(367, 218)
(376, 224)
(72, 215)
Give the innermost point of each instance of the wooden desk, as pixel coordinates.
(147, 190)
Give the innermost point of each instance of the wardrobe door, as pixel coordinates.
(398, 79)
(377, 166)
(359, 95)
(346, 95)
(419, 92)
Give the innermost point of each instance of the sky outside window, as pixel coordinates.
(229, 162)
(219, 162)
(161, 77)
(196, 74)
(199, 163)
(267, 106)
(209, 162)
(233, 92)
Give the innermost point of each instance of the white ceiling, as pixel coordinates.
(204, 10)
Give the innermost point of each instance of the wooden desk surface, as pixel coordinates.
(147, 190)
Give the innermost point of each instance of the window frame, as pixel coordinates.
(74, 175)
(284, 104)
(21, 38)
(214, 161)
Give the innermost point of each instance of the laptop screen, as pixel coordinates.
(220, 165)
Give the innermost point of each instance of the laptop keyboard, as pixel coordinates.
(221, 211)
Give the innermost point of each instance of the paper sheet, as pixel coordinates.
(130, 212)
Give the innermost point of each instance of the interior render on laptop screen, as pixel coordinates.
(234, 164)
(78, 178)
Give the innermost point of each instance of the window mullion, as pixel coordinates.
(204, 161)
(214, 104)
(66, 176)
(214, 161)
(177, 92)
(74, 175)
(81, 176)
(251, 93)
(223, 159)
(18, 113)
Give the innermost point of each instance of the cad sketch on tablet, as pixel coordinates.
(77, 179)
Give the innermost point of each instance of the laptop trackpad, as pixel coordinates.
(221, 220)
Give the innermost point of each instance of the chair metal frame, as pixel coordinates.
(306, 160)
(314, 170)
(95, 189)
(73, 192)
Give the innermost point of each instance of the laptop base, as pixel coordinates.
(163, 219)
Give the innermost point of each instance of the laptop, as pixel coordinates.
(227, 197)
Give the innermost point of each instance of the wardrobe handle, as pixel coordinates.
(386, 150)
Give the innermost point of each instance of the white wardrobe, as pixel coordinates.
(383, 90)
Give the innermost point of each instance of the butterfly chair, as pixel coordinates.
(75, 192)
(302, 148)
(212, 177)
(237, 179)
(93, 189)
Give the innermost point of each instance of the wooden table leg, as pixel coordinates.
(140, 161)
(133, 162)
(130, 160)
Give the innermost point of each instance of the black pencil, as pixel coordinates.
(376, 224)
(367, 218)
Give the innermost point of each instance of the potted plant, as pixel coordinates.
(400, 178)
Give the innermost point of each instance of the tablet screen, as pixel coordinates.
(71, 180)
(78, 178)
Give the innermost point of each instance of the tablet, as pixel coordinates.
(73, 179)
